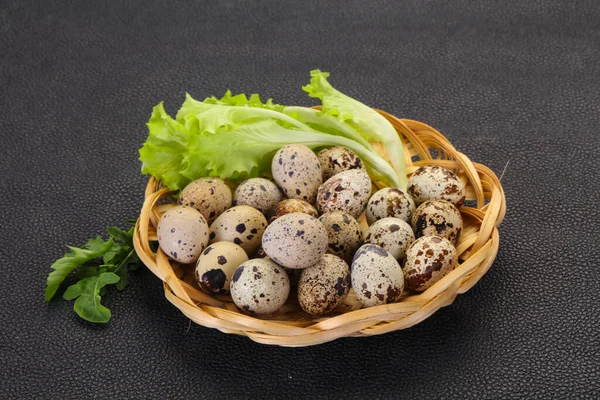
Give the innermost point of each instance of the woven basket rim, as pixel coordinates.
(478, 247)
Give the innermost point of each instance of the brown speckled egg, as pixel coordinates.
(344, 233)
(210, 196)
(393, 234)
(216, 266)
(288, 206)
(347, 191)
(428, 260)
(242, 225)
(436, 183)
(259, 193)
(182, 234)
(295, 240)
(259, 286)
(390, 202)
(337, 159)
(376, 276)
(297, 171)
(438, 218)
(324, 286)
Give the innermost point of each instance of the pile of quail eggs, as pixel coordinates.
(301, 231)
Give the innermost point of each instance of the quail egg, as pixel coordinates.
(324, 286)
(438, 218)
(390, 202)
(428, 260)
(347, 191)
(288, 206)
(259, 286)
(297, 171)
(376, 276)
(182, 234)
(295, 240)
(259, 193)
(242, 225)
(210, 196)
(436, 183)
(337, 159)
(393, 234)
(216, 266)
(344, 233)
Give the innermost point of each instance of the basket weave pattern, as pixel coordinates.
(290, 326)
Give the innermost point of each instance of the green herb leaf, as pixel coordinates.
(87, 293)
(64, 266)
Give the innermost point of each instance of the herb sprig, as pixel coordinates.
(97, 264)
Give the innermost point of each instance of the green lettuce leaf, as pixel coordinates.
(235, 137)
(370, 124)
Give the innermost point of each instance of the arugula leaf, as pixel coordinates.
(78, 256)
(369, 123)
(87, 293)
(100, 264)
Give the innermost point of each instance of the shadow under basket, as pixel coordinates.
(290, 326)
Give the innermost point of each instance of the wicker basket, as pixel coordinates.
(290, 326)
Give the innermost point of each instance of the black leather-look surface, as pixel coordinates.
(517, 84)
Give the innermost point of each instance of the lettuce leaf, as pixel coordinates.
(370, 124)
(235, 137)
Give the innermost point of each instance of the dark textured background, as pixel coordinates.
(518, 83)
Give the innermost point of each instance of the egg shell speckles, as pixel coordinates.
(182, 234)
(344, 234)
(210, 196)
(438, 218)
(436, 183)
(259, 286)
(295, 240)
(259, 193)
(216, 266)
(377, 277)
(242, 225)
(337, 159)
(393, 234)
(288, 206)
(390, 202)
(347, 191)
(324, 286)
(428, 260)
(297, 171)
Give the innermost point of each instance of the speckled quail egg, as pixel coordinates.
(182, 234)
(436, 183)
(344, 233)
(393, 234)
(376, 276)
(210, 196)
(297, 171)
(259, 286)
(259, 193)
(390, 202)
(295, 240)
(324, 286)
(288, 206)
(337, 159)
(428, 260)
(242, 225)
(438, 218)
(347, 191)
(216, 266)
